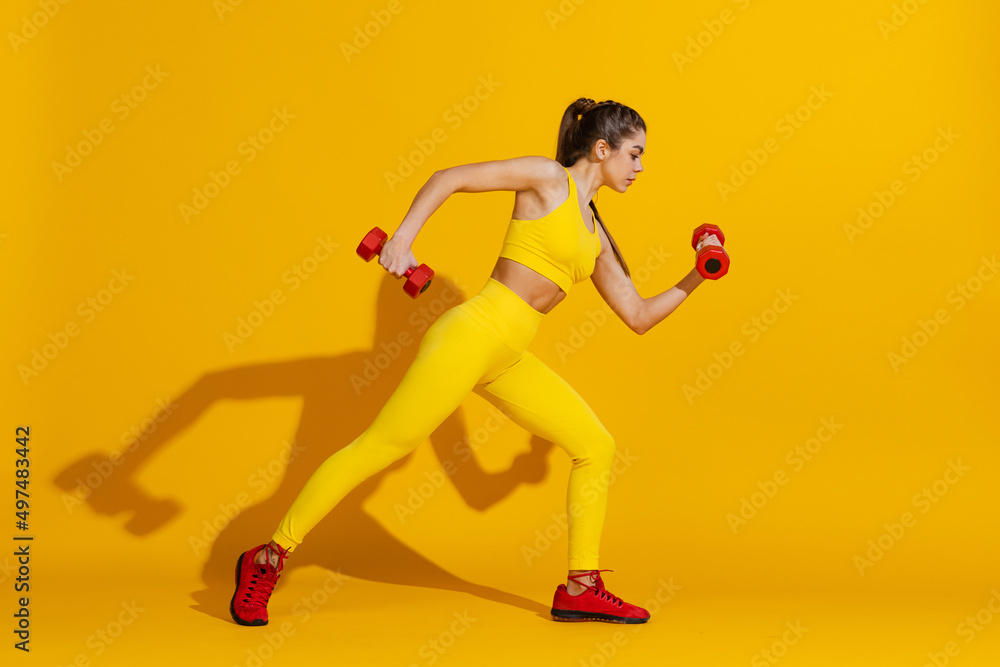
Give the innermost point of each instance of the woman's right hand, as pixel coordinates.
(396, 257)
(707, 239)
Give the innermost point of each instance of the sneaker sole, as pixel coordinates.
(568, 615)
(232, 608)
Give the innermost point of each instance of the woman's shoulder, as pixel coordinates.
(530, 172)
(544, 170)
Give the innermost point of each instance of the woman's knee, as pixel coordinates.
(599, 449)
(385, 448)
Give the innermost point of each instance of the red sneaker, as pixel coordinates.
(594, 604)
(254, 584)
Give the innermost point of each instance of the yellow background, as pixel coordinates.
(827, 356)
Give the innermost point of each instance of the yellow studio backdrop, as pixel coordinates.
(808, 447)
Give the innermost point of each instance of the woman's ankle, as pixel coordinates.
(271, 552)
(574, 585)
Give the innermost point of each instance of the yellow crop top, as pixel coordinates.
(559, 246)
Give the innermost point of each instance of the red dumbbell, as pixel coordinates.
(712, 260)
(418, 278)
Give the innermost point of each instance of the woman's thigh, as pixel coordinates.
(453, 356)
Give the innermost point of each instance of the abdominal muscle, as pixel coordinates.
(537, 291)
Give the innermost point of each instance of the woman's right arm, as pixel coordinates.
(532, 172)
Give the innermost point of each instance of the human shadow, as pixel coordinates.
(341, 396)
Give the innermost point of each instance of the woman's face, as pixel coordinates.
(623, 165)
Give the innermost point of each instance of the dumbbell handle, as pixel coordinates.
(373, 243)
(408, 272)
(701, 243)
(378, 251)
(707, 229)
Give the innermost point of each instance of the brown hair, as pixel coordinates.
(583, 123)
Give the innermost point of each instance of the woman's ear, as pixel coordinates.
(602, 149)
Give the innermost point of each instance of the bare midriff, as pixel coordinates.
(537, 291)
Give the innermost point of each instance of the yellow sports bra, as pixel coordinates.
(559, 246)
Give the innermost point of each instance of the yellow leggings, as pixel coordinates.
(478, 346)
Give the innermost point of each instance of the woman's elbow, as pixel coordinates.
(639, 321)
(639, 325)
(441, 178)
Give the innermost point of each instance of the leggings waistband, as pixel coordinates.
(502, 311)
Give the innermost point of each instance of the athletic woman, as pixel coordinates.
(480, 345)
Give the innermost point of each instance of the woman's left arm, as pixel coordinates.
(640, 314)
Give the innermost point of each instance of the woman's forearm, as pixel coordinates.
(427, 200)
(656, 308)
